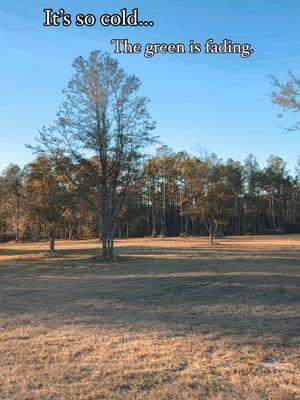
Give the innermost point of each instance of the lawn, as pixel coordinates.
(171, 318)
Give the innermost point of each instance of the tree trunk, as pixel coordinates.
(181, 218)
(107, 246)
(70, 231)
(104, 242)
(153, 222)
(107, 235)
(186, 224)
(36, 233)
(193, 226)
(163, 214)
(17, 218)
(79, 232)
(110, 252)
(52, 242)
(210, 232)
(149, 209)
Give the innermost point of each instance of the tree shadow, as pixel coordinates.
(233, 295)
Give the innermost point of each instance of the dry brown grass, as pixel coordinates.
(170, 319)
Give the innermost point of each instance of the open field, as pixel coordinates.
(171, 319)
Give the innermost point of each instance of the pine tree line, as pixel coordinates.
(172, 194)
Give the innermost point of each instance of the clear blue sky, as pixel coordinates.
(219, 103)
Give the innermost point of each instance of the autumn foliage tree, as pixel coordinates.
(46, 195)
(213, 196)
(11, 204)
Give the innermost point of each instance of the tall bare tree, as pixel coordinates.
(103, 127)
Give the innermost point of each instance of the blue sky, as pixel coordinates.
(215, 103)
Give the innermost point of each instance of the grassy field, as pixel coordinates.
(170, 319)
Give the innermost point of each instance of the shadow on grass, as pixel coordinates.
(232, 294)
(19, 252)
(219, 250)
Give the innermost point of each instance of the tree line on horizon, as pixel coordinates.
(173, 194)
(90, 177)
